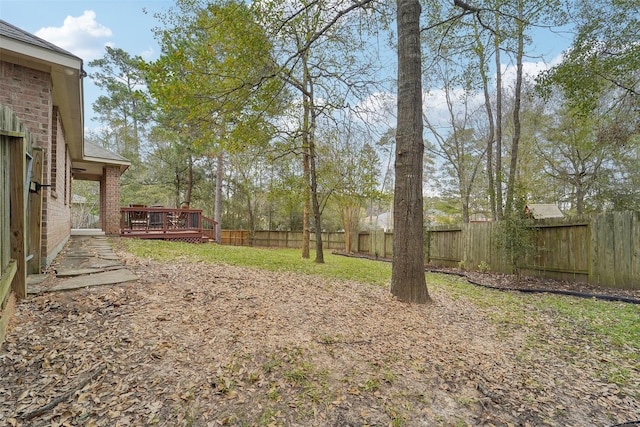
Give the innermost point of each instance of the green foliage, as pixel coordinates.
(603, 57)
(591, 159)
(285, 200)
(213, 76)
(483, 266)
(348, 168)
(515, 236)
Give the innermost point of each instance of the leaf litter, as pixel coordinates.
(197, 344)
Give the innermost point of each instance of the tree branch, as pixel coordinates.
(41, 410)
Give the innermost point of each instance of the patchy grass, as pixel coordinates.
(582, 331)
(606, 334)
(280, 260)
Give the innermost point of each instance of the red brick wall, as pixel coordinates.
(29, 93)
(110, 200)
(58, 208)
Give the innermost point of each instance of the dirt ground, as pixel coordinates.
(209, 345)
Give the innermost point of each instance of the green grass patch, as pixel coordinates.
(335, 266)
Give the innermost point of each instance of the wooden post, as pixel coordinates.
(7, 298)
(17, 212)
(35, 218)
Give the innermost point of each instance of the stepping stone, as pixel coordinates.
(77, 272)
(35, 279)
(106, 278)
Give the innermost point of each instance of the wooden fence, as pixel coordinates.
(602, 249)
(235, 237)
(375, 243)
(559, 249)
(280, 239)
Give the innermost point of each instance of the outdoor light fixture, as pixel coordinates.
(36, 186)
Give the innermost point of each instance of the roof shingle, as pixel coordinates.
(15, 33)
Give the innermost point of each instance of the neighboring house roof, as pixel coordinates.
(543, 210)
(479, 217)
(20, 47)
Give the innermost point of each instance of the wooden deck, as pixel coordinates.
(187, 225)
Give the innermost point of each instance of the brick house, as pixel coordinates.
(42, 150)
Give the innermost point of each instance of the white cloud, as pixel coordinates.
(529, 70)
(82, 35)
(379, 109)
(436, 111)
(148, 54)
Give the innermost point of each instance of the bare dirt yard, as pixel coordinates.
(198, 344)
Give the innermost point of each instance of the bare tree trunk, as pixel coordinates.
(492, 132)
(306, 213)
(513, 166)
(407, 276)
(252, 225)
(177, 185)
(465, 207)
(498, 183)
(350, 217)
(136, 133)
(189, 190)
(579, 198)
(217, 214)
(315, 203)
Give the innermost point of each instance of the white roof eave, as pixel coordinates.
(67, 77)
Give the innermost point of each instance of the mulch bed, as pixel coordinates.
(540, 284)
(510, 282)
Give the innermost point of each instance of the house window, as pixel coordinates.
(66, 175)
(54, 152)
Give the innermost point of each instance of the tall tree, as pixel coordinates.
(508, 25)
(210, 79)
(499, 177)
(320, 60)
(517, 98)
(458, 145)
(407, 274)
(584, 154)
(172, 163)
(125, 110)
(348, 169)
(599, 82)
(483, 57)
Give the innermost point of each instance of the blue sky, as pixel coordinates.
(84, 27)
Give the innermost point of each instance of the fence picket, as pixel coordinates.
(603, 249)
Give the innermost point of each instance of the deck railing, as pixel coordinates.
(209, 228)
(164, 223)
